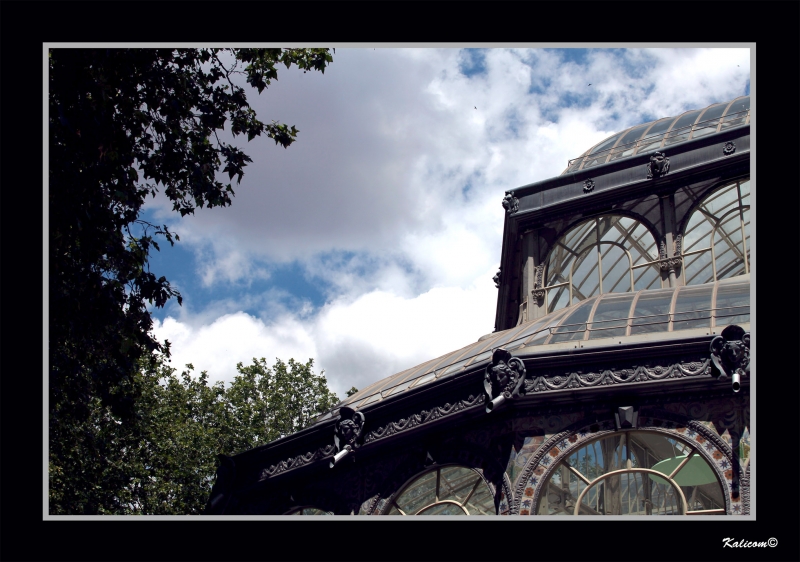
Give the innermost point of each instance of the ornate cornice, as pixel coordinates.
(296, 462)
(425, 416)
(578, 379)
(535, 382)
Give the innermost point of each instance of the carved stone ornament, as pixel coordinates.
(347, 433)
(510, 203)
(668, 263)
(730, 353)
(538, 283)
(588, 185)
(658, 165)
(728, 148)
(504, 379)
(496, 278)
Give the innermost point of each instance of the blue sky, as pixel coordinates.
(370, 244)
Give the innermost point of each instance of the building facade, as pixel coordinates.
(616, 382)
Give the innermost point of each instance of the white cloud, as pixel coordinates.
(355, 341)
(391, 196)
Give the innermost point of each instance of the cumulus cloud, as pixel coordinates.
(390, 198)
(355, 340)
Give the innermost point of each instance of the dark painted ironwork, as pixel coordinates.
(504, 379)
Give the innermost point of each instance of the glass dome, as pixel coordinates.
(664, 132)
(601, 317)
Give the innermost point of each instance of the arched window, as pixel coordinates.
(632, 473)
(308, 511)
(716, 243)
(611, 254)
(445, 490)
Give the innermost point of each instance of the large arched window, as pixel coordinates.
(445, 490)
(308, 510)
(632, 473)
(611, 254)
(716, 243)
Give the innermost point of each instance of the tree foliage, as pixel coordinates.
(163, 461)
(125, 124)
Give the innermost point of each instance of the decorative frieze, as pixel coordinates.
(425, 416)
(579, 379)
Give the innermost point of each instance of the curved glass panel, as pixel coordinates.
(692, 124)
(709, 120)
(620, 474)
(693, 308)
(447, 490)
(651, 312)
(308, 511)
(652, 138)
(682, 128)
(610, 318)
(736, 114)
(611, 254)
(716, 241)
(733, 304)
(627, 144)
(574, 325)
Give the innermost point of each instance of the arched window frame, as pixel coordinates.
(578, 256)
(717, 222)
(463, 505)
(530, 483)
(300, 510)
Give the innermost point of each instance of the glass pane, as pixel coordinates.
(627, 144)
(616, 269)
(482, 501)
(420, 493)
(682, 128)
(736, 113)
(456, 482)
(728, 247)
(605, 144)
(653, 137)
(574, 325)
(443, 509)
(651, 313)
(541, 336)
(629, 493)
(733, 304)
(709, 121)
(610, 318)
(692, 308)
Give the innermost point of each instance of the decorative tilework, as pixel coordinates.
(708, 444)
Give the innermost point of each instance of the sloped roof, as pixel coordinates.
(664, 132)
(610, 315)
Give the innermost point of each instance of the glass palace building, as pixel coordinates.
(616, 381)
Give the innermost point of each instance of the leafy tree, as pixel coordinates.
(124, 124)
(163, 462)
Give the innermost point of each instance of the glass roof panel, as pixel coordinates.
(610, 318)
(574, 325)
(627, 144)
(693, 307)
(682, 128)
(733, 304)
(651, 312)
(653, 138)
(709, 120)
